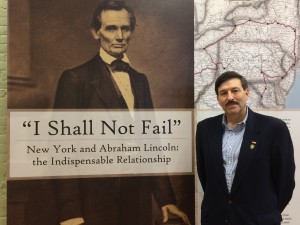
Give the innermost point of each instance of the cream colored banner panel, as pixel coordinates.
(80, 143)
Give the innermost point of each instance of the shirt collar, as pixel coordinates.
(108, 59)
(242, 124)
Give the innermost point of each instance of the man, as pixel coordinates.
(245, 160)
(109, 82)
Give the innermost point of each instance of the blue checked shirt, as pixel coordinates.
(232, 141)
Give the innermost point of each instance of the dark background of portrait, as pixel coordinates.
(47, 37)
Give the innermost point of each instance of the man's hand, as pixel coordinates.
(175, 211)
(74, 221)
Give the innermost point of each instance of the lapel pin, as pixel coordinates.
(252, 146)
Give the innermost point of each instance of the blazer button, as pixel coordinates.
(229, 202)
(226, 221)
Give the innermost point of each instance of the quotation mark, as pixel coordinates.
(177, 122)
(27, 124)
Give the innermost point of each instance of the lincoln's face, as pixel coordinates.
(115, 32)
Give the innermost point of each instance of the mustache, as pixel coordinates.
(232, 103)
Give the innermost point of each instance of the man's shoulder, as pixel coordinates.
(88, 65)
(211, 121)
(267, 119)
(85, 70)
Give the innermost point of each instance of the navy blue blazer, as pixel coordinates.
(264, 179)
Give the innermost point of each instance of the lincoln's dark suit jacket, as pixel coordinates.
(264, 178)
(91, 86)
(107, 201)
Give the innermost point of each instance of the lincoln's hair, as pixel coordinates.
(111, 5)
(228, 76)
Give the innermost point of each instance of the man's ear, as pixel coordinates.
(96, 34)
(247, 93)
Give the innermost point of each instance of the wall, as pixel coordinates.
(3, 91)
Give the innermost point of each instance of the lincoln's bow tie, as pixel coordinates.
(119, 66)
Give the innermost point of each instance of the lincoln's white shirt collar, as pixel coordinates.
(108, 59)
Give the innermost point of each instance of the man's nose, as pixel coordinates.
(230, 95)
(119, 35)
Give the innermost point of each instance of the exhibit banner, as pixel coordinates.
(100, 112)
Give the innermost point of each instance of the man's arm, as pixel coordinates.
(68, 199)
(200, 156)
(67, 190)
(165, 198)
(68, 91)
(283, 165)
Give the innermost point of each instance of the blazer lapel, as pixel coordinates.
(216, 153)
(137, 88)
(103, 85)
(247, 151)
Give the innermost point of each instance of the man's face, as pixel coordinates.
(232, 97)
(115, 32)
